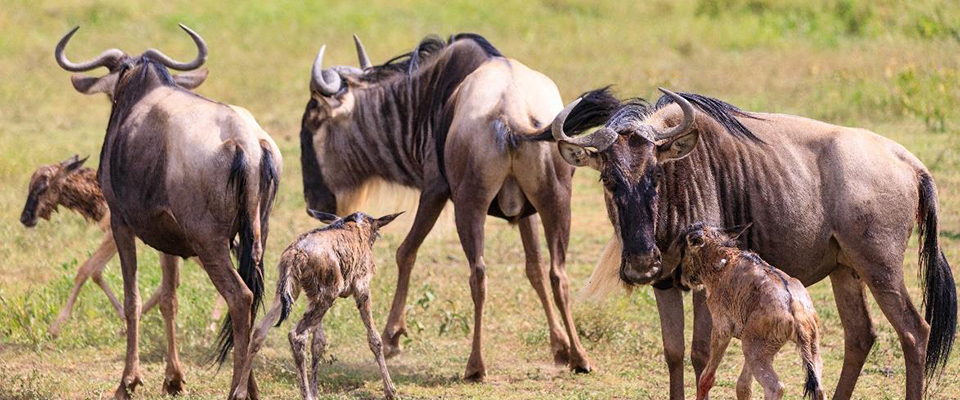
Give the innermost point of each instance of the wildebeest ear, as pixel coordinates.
(695, 239)
(190, 80)
(386, 219)
(675, 148)
(93, 85)
(73, 163)
(735, 232)
(578, 156)
(326, 218)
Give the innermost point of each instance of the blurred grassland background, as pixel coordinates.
(888, 66)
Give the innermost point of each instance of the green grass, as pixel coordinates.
(883, 65)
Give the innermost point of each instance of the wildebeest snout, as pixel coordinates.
(638, 269)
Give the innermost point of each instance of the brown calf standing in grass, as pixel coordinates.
(335, 261)
(75, 187)
(755, 302)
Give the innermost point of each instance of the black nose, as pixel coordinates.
(640, 269)
(28, 220)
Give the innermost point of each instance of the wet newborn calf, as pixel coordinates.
(326, 263)
(755, 302)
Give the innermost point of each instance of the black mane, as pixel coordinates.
(724, 113)
(619, 114)
(406, 64)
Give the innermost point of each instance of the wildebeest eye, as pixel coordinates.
(607, 182)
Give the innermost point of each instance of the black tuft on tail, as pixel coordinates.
(594, 109)
(250, 270)
(939, 289)
(812, 384)
(286, 299)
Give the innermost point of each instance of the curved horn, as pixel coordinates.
(319, 76)
(104, 59)
(600, 140)
(180, 66)
(362, 54)
(687, 124)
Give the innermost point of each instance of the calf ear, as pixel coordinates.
(384, 220)
(190, 80)
(735, 232)
(578, 156)
(675, 148)
(326, 218)
(93, 85)
(73, 163)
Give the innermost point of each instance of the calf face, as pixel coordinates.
(698, 244)
(44, 195)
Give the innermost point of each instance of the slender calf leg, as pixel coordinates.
(173, 377)
(554, 208)
(127, 247)
(858, 332)
(718, 346)
(92, 267)
(536, 273)
(432, 200)
(318, 344)
(373, 339)
(759, 355)
(298, 344)
(670, 307)
(470, 218)
(744, 382)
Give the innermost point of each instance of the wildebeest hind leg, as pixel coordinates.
(759, 356)
(744, 382)
(553, 204)
(858, 331)
(173, 377)
(432, 200)
(537, 274)
(127, 248)
(93, 267)
(470, 214)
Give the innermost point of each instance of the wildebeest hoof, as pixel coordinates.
(475, 374)
(173, 385)
(582, 370)
(127, 386)
(391, 343)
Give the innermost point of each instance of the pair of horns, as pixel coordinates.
(604, 137)
(327, 81)
(112, 57)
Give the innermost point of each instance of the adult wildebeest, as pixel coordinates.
(185, 175)
(844, 198)
(455, 120)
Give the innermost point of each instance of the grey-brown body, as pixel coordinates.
(336, 261)
(186, 175)
(750, 300)
(824, 200)
(457, 121)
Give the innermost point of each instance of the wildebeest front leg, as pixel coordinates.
(702, 326)
(718, 346)
(127, 247)
(537, 274)
(432, 201)
(858, 332)
(93, 267)
(373, 339)
(670, 308)
(173, 377)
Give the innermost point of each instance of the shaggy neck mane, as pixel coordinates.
(404, 113)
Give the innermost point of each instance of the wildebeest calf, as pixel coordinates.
(335, 261)
(753, 301)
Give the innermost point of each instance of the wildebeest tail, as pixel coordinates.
(284, 292)
(807, 330)
(250, 264)
(594, 110)
(939, 289)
